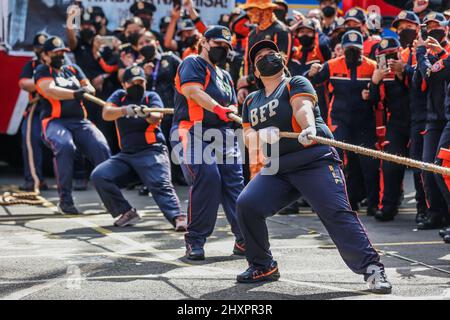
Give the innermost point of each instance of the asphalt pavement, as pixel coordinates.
(45, 255)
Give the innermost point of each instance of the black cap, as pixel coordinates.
(54, 44)
(142, 7)
(218, 33)
(87, 18)
(282, 3)
(96, 11)
(263, 44)
(132, 73)
(405, 15)
(133, 20)
(164, 21)
(39, 39)
(387, 45)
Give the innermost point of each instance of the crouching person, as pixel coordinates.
(143, 153)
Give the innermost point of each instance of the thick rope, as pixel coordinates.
(373, 153)
(330, 142)
(30, 198)
(102, 103)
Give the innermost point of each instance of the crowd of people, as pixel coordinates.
(327, 73)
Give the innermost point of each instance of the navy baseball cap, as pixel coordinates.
(308, 24)
(142, 7)
(405, 16)
(87, 18)
(39, 39)
(434, 16)
(388, 45)
(263, 44)
(186, 25)
(218, 33)
(352, 38)
(54, 44)
(134, 72)
(356, 14)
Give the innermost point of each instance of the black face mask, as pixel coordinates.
(407, 37)
(57, 62)
(87, 35)
(217, 55)
(133, 38)
(270, 64)
(191, 41)
(306, 41)
(136, 92)
(146, 23)
(335, 40)
(328, 11)
(148, 52)
(280, 14)
(437, 34)
(352, 57)
(393, 56)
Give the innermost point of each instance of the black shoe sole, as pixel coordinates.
(239, 253)
(273, 277)
(195, 258)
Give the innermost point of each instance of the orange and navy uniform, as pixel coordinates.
(136, 134)
(370, 45)
(27, 73)
(260, 111)
(304, 58)
(346, 86)
(216, 82)
(69, 77)
(441, 71)
(352, 119)
(278, 33)
(392, 92)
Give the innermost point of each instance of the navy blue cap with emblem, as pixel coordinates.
(87, 18)
(352, 38)
(434, 16)
(405, 16)
(388, 45)
(39, 39)
(132, 73)
(54, 44)
(218, 33)
(308, 24)
(356, 14)
(142, 7)
(186, 25)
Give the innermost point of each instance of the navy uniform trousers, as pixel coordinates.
(321, 182)
(369, 167)
(415, 152)
(392, 173)
(65, 137)
(214, 179)
(436, 202)
(443, 158)
(37, 145)
(151, 166)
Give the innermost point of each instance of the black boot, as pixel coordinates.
(434, 221)
(371, 211)
(293, 208)
(385, 215)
